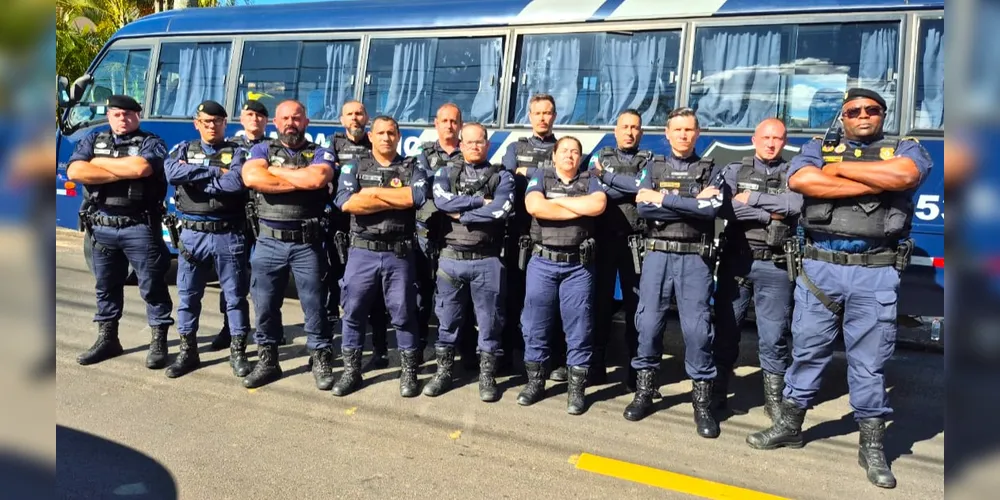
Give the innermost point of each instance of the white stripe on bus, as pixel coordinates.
(646, 9)
(61, 192)
(557, 11)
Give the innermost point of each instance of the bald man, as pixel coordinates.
(761, 216)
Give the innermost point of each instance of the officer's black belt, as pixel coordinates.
(451, 253)
(763, 253)
(556, 255)
(212, 226)
(381, 246)
(288, 235)
(657, 245)
(117, 221)
(881, 259)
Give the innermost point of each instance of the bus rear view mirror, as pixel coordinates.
(79, 86)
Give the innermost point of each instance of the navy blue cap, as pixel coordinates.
(255, 106)
(212, 108)
(860, 93)
(124, 102)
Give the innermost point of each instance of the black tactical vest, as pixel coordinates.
(245, 144)
(527, 156)
(687, 184)
(191, 199)
(885, 215)
(296, 205)
(482, 235)
(387, 225)
(563, 233)
(622, 217)
(775, 232)
(140, 195)
(347, 151)
(436, 159)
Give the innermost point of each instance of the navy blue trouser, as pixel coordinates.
(227, 253)
(558, 290)
(688, 278)
(272, 262)
(373, 276)
(868, 295)
(481, 282)
(142, 248)
(771, 290)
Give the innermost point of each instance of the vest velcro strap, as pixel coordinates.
(556, 256)
(212, 226)
(658, 245)
(451, 253)
(881, 259)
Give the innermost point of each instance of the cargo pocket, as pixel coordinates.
(886, 305)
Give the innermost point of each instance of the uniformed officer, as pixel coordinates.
(477, 198)
(680, 204)
(856, 212)
(433, 156)
(563, 202)
(289, 176)
(522, 158)
(122, 170)
(210, 198)
(253, 118)
(761, 218)
(349, 147)
(382, 193)
(618, 168)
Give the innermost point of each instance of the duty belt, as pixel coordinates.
(881, 259)
(117, 221)
(656, 245)
(451, 253)
(557, 256)
(764, 254)
(212, 226)
(398, 247)
(291, 235)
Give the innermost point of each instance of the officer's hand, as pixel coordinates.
(743, 197)
(522, 171)
(777, 217)
(223, 170)
(709, 192)
(487, 201)
(455, 216)
(830, 169)
(598, 167)
(649, 196)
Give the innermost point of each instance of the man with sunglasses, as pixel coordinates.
(210, 199)
(856, 212)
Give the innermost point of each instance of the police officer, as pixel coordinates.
(382, 193)
(761, 218)
(856, 212)
(210, 198)
(477, 198)
(253, 118)
(522, 158)
(349, 147)
(618, 168)
(122, 170)
(680, 206)
(289, 176)
(563, 202)
(433, 156)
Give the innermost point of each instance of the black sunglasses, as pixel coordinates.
(869, 110)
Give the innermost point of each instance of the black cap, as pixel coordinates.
(255, 106)
(124, 102)
(859, 93)
(212, 108)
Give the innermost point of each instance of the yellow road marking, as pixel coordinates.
(665, 479)
(455, 435)
(251, 391)
(351, 411)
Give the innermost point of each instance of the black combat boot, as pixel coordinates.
(187, 360)
(266, 370)
(786, 433)
(535, 389)
(630, 383)
(221, 341)
(238, 356)
(408, 385)
(350, 380)
(322, 367)
(560, 374)
(157, 356)
(774, 385)
(642, 403)
(487, 378)
(704, 420)
(441, 382)
(106, 347)
(870, 454)
(720, 389)
(576, 398)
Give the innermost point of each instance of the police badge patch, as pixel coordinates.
(227, 158)
(395, 182)
(886, 153)
(858, 153)
(840, 148)
(133, 151)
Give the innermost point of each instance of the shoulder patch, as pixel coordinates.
(909, 138)
(328, 156)
(346, 169)
(533, 182)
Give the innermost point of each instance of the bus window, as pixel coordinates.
(120, 72)
(188, 74)
(929, 101)
(410, 78)
(320, 75)
(799, 73)
(595, 76)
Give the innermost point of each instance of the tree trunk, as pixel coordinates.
(183, 4)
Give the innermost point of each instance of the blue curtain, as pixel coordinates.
(634, 73)
(549, 64)
(338, 86)
(741, 76)
(930, 109)
(201, 75)
(408, 99)
(484, 106)
(879, 49)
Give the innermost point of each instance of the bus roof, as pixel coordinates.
(370, 15)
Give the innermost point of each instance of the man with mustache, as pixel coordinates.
(290, 176)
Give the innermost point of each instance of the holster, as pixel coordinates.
(793, 258)
(588, 253)
(904, 252)
(252, 221)
(341, 241)
(636, 244)
(524, 245)
(170, 220)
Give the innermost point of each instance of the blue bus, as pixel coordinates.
(735, 61)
